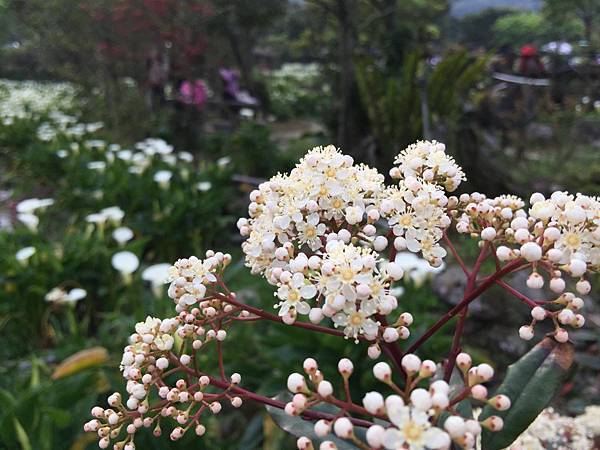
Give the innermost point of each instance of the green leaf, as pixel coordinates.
(298, 426)
(22, 436)
(530, 383)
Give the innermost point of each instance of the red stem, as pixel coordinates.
(460, 326)
(390, 348)
(221, 384)
(460, 261)
(516, 293)
(467, 299)
(275, 318)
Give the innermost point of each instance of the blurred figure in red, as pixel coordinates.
(530, 64)
(193, 93)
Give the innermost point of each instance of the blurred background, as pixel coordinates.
(132, 131)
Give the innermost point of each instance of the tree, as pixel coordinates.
(587, 12)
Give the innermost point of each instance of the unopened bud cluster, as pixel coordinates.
(413, 413)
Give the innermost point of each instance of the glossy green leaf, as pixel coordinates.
(297, 426)
(530, 383)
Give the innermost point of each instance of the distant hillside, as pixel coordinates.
(462, 8)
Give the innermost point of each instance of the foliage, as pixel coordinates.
(531, 383)
(394, 101)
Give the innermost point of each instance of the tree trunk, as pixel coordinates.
(346, 73)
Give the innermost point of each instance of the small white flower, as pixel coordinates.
(412, 430)
(163, 178)
(31, 221)
(126, 263)
(24, 254)
(122, 235)
(204, 186)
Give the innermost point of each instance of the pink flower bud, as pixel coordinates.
(375, 435)
(411, 363)
(485, 372)
(345, 367)
(322, 428)
(463, 361)
(304, 443)
(500, 402)
(296, 383)
(428, 368)
(561, 335)
(493, 423)
(343, 427)
(374, 351)
(325, 389)
(382, 371)
(373, 402)
(538, 313)
(526, 332)
(455, 426)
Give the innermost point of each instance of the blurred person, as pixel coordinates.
(157, 78)
(232, 91)
(530, 64)
(193, 93)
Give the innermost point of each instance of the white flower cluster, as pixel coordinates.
(429, 161)
(551, 430)
(191, 277)
(416, 214)
(112, 215)
(324, 191)
(560, 234)
(27, 211)
(313, 234)
(348, 286)
(29, 99)
(152, 352)
(410, 414)
(59, 295)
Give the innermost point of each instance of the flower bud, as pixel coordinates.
(325, 389)
(526, 332)
(500, 402)
(343, 428)
(373, 402)
(421, 399)
(296, 383)
(345, 367)
(391, 335)
(375, 435)
(485, 372)
(531, 251)
(535, 281)
(538, 313)
(488, 234)
(583, 287)
(463, 361)
(428, 368)
(561, 335)
(557, 285)
(374, 351)
(479, 392)
(411, 363)
(493, 423)
(455, 426)
(382, 371)
(304, 443)
(322, 428)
